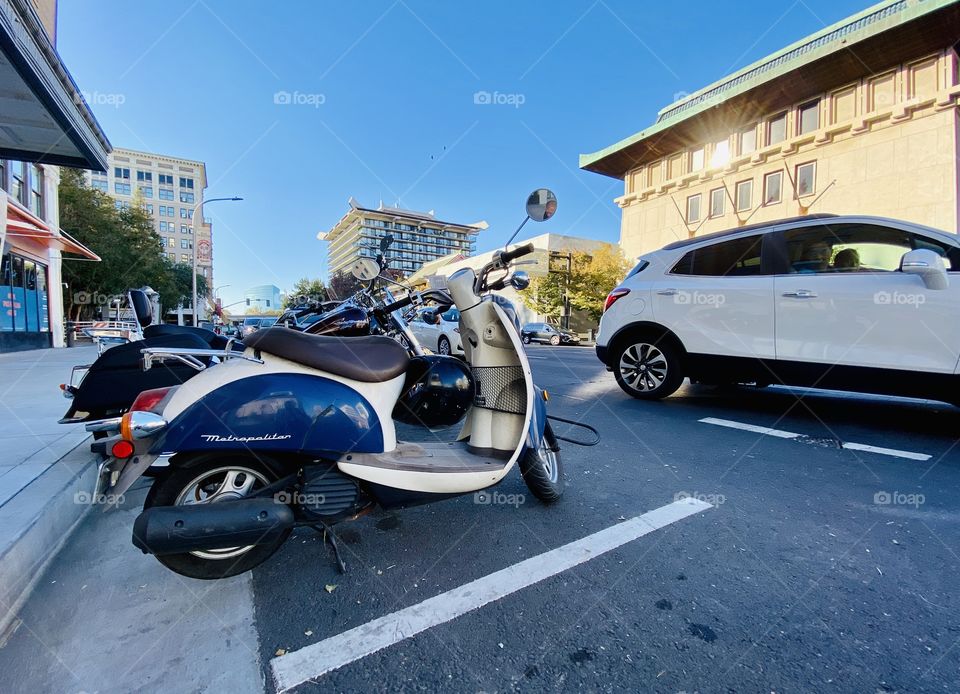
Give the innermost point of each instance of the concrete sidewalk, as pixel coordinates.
(45, 468)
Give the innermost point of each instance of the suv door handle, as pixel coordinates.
(801, 294)
(667, 292)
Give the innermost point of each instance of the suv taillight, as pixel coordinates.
(613, 296)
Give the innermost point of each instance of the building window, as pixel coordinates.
(777, 129)
(809, 117)
(186, 182)
(165, 194)
(144, 176)
(25, 295)
(184, 258)
(772, 184)
(720, 156)
(717, 202)
(748, 140)
(166, 180)
(186, 197)
(806, 179)
(121, 188)
(99, 184)
(185, 213)
(171, 242)
(693, 208)
(121, 173)
(696, 159)
(146, 191)
(184, 229)
(18, 178)
(36, 190)
(744, 195)
(121, 204)
(149, 207)
(185, 243)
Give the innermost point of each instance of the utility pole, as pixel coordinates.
(198, 215)
(568, 272)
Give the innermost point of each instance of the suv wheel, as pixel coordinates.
(554, 340)
(648, 368)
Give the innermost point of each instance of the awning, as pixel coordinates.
(43, 116)
(22, 224)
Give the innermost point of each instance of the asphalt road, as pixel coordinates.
(818, 567)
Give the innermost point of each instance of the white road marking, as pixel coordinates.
(884, 451)
(750, 427)
(310, 662)
(803, 438)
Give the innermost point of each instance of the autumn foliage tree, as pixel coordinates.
(591, 277)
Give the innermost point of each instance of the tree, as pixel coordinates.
(131, 251)
(306, 291)
(592, 276)
(343, 285)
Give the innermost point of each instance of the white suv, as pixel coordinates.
(843, 302)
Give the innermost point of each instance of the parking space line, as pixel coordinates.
(310, 662)
(884, 451)
(803, 438)
(767, 431)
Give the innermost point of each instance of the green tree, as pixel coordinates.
(131, 251)
(306, 291)
(545, 295)
(343, 285)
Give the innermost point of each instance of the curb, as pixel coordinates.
(32, 533)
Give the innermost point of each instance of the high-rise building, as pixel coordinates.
(418, 237)
(859, 118)
(169, 189)
(263, 298)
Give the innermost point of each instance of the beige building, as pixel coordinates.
(860, 117)
(169, 189)
(545, 246)
(418, 237)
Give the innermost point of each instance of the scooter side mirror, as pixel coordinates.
(541, 205)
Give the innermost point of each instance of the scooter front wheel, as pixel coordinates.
(213, 478)
(542, 470)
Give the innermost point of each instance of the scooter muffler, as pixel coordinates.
(177, 529)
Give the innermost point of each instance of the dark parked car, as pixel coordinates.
(548, 334)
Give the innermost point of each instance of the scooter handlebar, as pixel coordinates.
(517, 252)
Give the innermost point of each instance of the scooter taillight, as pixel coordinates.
(150, 400)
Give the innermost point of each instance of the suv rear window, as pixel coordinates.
(735, 258)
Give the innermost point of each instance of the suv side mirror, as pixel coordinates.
(928, 265)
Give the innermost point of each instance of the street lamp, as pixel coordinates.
(198, 212)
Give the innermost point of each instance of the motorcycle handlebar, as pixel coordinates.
(397, 305)
(517, 252)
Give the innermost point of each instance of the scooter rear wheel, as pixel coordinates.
(210, 478)
(542, 470)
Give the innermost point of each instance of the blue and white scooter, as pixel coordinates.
(299, 429)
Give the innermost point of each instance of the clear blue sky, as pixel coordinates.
(398, 118)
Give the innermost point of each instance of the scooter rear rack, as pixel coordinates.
(152, 355)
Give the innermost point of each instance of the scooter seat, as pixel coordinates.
(370, 359)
